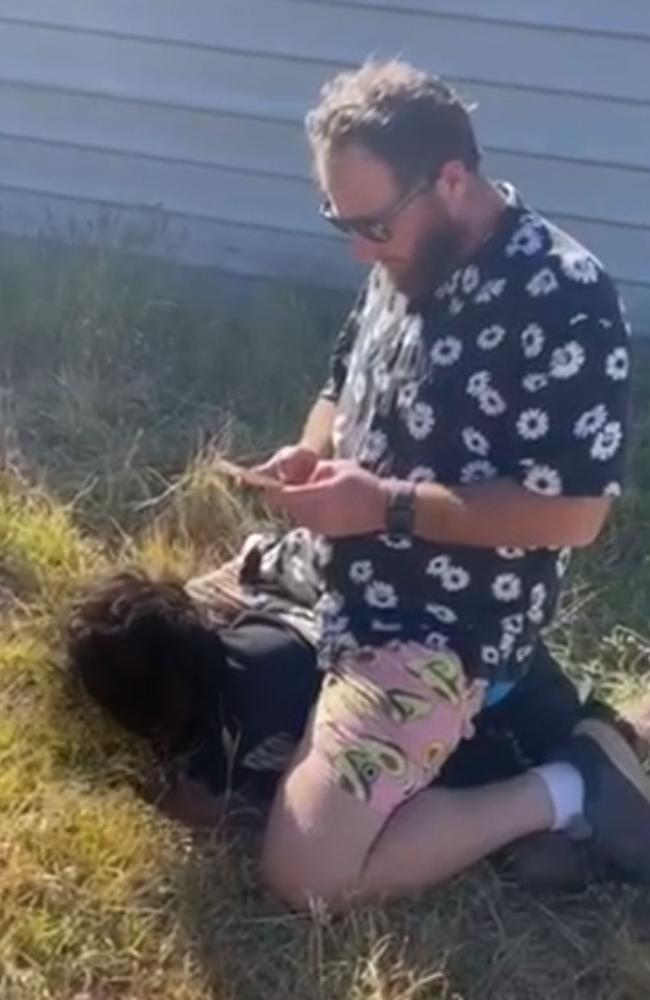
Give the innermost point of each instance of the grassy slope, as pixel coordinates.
(102, 899)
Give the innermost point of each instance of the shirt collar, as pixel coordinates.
(469, 279)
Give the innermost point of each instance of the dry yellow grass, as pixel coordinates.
(102, 899)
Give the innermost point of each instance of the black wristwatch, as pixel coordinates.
(400, 512)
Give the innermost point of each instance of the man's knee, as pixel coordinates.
(303, 879)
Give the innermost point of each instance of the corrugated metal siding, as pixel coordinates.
(197, 109)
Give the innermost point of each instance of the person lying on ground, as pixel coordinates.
(220, 674)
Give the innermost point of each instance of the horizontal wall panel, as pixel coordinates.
(575, 128)
(583, 190)
(624, 17)
(569, 126)
(157, 130)
(137, 104)
(322, 31)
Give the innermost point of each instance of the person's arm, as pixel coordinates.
(317, 432)
(501, 514)
(343, 499)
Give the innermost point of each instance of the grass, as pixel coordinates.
(112, 390)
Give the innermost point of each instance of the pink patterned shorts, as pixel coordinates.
(387, 720)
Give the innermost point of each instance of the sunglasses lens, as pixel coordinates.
(376, 232)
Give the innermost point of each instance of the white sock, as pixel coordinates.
(566, 790)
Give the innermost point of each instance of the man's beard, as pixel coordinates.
(436, 258)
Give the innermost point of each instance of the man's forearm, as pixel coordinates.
(317, 432)
(502, 513)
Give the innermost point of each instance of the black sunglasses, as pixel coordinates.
(375, 228)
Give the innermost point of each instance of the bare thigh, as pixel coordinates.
(318, 835)
(383, 726)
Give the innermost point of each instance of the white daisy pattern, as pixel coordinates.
(523, 653)
(361, 571)
(399, 543)
(536, 604)
(475, 441)
(567, 361)
(455, 578)
(491, 290)
(535, 381)
(471, 279)
(491, 337)
(618, 364)
(544, 480)
(580, 267)
(420, 421)
(407, 395)
(589, 422)
(446, 351)
(381, 595)
(492, 402)
(517, 367)
(511, 552)
(478, 383)
(436, 640)
(373, 447)
(506, 587)
(532, 340)
(443, 613)
(532, 424)
(544, 283)
(478, 470)
(438, 566)
(527, 240)
(608, 441)
(513, 624)
(490, 655)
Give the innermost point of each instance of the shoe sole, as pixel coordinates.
(618, 751)
(626, 849)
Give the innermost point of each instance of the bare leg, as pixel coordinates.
(323, 843)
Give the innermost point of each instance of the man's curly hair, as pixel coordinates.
(412, 121)
(139, 648)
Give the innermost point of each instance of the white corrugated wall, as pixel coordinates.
(196, 108)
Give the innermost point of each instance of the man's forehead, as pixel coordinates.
(357, 182)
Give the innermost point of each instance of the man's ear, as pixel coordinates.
(452, 182)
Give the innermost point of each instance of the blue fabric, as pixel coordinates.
(497, 692)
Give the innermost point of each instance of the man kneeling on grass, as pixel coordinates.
(471, 434)
(220, 675)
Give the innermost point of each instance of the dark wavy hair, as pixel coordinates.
(410, 120)
(143, 652)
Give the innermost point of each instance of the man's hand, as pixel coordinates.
(340, 499)
(293, 464)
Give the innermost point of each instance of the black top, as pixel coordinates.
(515, 367)
(261, 683)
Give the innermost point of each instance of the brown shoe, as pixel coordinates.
(547, 862)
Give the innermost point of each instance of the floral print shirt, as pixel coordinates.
(516, 367)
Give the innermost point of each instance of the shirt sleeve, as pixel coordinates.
(568, 428)
(340, 357)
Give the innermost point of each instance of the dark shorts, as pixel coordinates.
(520, 731)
